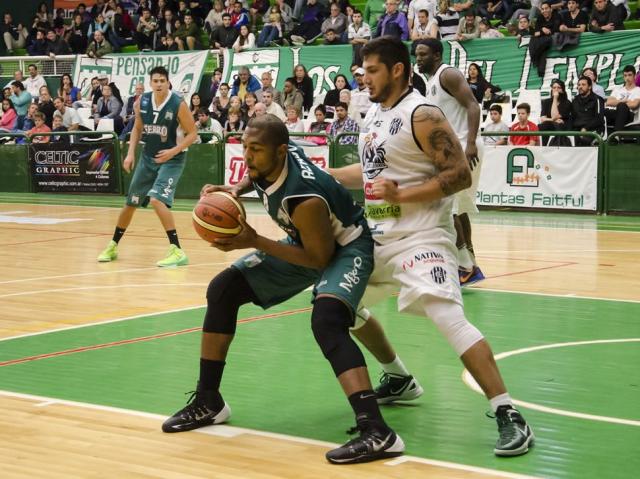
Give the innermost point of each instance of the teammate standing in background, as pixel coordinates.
(448, 90)
(158, 115)
(411, 165)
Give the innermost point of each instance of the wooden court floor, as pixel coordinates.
(51, 282)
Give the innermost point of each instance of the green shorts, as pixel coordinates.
(274, 281)
(153, 179)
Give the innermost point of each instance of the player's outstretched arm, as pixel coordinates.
(348, 176)
(437, 139)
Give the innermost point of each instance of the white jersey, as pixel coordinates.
(388, 149)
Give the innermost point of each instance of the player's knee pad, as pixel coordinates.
(226, 293)
(449, 318)
(330, 322)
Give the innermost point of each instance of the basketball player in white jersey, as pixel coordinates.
(448, 89)
(411, 165)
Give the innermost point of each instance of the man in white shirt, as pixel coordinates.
(360, 94)
(358, 33)
(415, 6)
(271, 106)
(70, 118)
(624, 102)
(34, 82)
(267, 84)
(423, 28)
(495, 125)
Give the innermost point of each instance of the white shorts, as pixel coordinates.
(422, 264)
(465, 201)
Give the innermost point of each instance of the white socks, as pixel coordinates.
(500, 400)
(396, 367)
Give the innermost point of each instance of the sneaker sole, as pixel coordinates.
(182, 262)
(220, 418)
(397, 449)
(107, 260)
(519, 451)
(408, 396)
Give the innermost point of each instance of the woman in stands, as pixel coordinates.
(249, 106)
(194, 105)
(321, 125)
(220, 104)
(305, 85)
(332, 97)
(67, 91)
(481, 88)
(245, 41)
(555, 113)
(9, 116)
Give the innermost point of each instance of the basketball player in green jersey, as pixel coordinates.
(159, 113)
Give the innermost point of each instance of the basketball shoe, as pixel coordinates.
(200, 411)
(515, 434)
(110, 253)
(376, 441)
(467, 278)
(394, 387)
(175, 257)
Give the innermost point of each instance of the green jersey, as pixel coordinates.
(160, 122)
(300, 179)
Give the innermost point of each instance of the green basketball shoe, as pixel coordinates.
(175, 257)
(110, 253)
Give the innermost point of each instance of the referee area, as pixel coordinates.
(93, 357)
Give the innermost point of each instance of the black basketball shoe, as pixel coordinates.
(394, 387)
(515, 434)
(376, 441)
(200, 411)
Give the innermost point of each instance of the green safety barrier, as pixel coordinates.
(622, 173)
(345, 155)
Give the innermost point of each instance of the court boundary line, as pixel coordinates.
(226, 431)
(552, 295)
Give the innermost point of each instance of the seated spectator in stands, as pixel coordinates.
(39, 46)
(358, 34)
(500, 9)
(21, 99)
(597, 89)
(424, 27)
(393, 23)
(447, 20)
(319, 126)
(67, 91)
(195, 103)
(167, 44)
(109, 107)
(336, 21)
(573, 22)
(261, 110)
(216, 79)
(165, 26)
(249, 106)
(310, 24)
(331, 38)
(234, 124)
(214, 17)
(9, 117)
(243, 83)
(256, 10)
(344, 124)
(468, 27)
(219, 106)
(286, 15)
(28, 121)
(332, 97)
(197, 9)
(523, 124)
(293, 122)
(56, 45)
(6, 92)
(495, 125)
(239, 16)
(605, 18)
(271, 106)
(546, 26)
(487, 30)
(624, 102)
(345, 97)
(45, 105)
(245, 41)
(267, 85)
(273, 30)
(146, 30)
(98, 24)
(129, 113)
(291, 95)
(373, 10)
(81, 10)
(188, 34)
(70, 118)
(587, 111)
(555, 111)
(58, 127)
(34, 82)
(76, 34)
(524, 28)
(360, 95)
(225, 35)
(122, 29)
(14, 36)
(99, 47)
(206, 124)
(482, 89)
(39, 127)
(304, 84)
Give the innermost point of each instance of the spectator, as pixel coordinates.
(109, 107)
(624, 101)
(39, 46)
(546, 26)
(6, 92)
(261, 109)
(70, 118)
(195, 103)
(393, 22)
(76, 34)
(271, 106)
(291, 95)
(304, 83)
(468, 27)
(500, 9)
(524, 28)
(9, 116)
(573, 22)
(416, 6)
(43, 13)
(336, 21)
(166, 25)
(286, 15)
(244, 82)
(587, 111)
(58, 127)
(168, 44)
(14, 36)
(358, 34)
(360, 95)
(530, 13)
(67, 91)
(187, 34)
(424, 27)
(344, 124)
(81, 10)
(256, 10)
(239, 16)
(122, 30)
(214, 17)
(234, 124)
(216, 79)
(225, 35)
(332, 98)
(494, 126)
(487, 30)
(39, 127)
(45, 105)
(28, 122)
(605, 17)
(310, 25)
(331, 38)
(293, 122)
(249, 106)
(597, 89)
(555, 112)
(206, 124)
(482, 89)
(146, 30)
(21, 99)
(319, 126)
(267, 85)
(34, 81)
(373, 10)
(448, 20)
(99, 24)
(99, 47)
(56, 45)
(523, 124)
(219, 106)
(345, 97)
(129, 113)
(245, 41)
(638, 79)
(272, 31)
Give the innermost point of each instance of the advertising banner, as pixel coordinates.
(235, 168)
(126, 71)
(539, 177)
(75, 168)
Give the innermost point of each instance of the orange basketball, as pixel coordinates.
(216, 216)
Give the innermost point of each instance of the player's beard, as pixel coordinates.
(382, 96)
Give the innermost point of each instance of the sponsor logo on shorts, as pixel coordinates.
(168, 189)
(352, 277)
(426, 257)
(438, 274)
(252, 260)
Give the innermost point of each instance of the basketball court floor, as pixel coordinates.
(93, 356)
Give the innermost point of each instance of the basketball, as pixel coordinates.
(216, 216)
